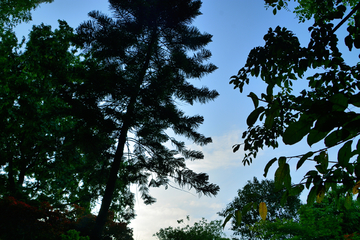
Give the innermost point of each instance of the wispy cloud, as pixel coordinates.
(218, 154)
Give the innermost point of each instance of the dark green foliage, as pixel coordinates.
(13, 12)
(326, 220)
(201, 230)
(327, 110)
(33, 220)
(243, 210)
(144, 56)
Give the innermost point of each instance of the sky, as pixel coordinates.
(237, 26)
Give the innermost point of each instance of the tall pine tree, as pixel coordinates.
(146, 54)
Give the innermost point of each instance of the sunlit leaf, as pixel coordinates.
(321, 194)
(263, 210)
(355, 189)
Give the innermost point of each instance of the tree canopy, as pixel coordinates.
(201, 230)
(326, 220)
(327, 110)
(245, 213)
(145, 54)
(85, 114)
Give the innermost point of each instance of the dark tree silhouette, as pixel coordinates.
(145, 54)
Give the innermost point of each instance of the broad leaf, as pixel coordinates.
(355, 189)
(254, 98)
(268, 165)
(252, 118)
(238, 217)
(320, 195)
(344, 154)
(303, 159)
(263, 210)
(315, 136)
(296, 131)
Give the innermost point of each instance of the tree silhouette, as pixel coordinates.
(145, 54)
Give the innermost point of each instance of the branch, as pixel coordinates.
(346, 18)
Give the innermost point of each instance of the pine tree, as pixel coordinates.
(146, 53)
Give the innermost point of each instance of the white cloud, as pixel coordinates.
(219, 153)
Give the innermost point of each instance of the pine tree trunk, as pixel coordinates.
(110, 186)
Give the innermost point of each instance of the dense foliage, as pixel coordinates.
(145, 55)
(244, 212)
(326, 220)
(327, 110)
(201, 230)
(13, 12)
(34, 220)
(85, 114)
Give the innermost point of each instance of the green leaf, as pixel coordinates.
(297, 130)
(303, 159)
(344, 154)
(247, 208)
(268, 165)
(335, 137)
(295, 191)
(236, 147)
(252, 118)
(274, 11)
(312, 195)
(349, 42)
(227, 219)
(315, 136)
(238, 217)
(282, 176)
(340, 102)
(254, 98)
(348, 201)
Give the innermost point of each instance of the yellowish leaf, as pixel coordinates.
(263, 210)
(320, 196)
(356, 188)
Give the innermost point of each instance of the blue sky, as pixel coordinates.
(237, 26)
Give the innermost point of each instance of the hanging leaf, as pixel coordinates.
(268, 165)
(254, 98)
(227, 219)
(348, 201)
(303, 159)
(236, 147)
(252, 118)
(263, 210)
(344, 154)
(355, 189)
(282, 175)
(312, 195)
(297, 130)
(238, 217)
(315, 136)
(321, 194)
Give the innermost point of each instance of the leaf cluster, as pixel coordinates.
(199, 231)
(325, 111)
(255, 201)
